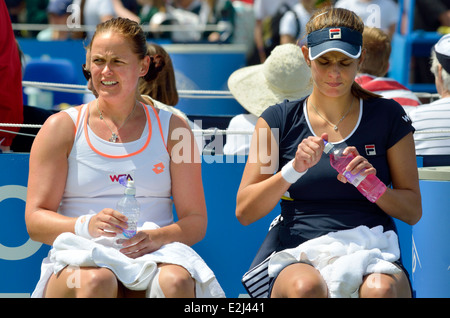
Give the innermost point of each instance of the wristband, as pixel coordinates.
(290, 174)
(82, 226)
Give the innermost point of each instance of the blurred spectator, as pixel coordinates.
(201, 8)
(429, 15)
(36, 13)
(293, 22)
(93, 12)
(149, 8)
(436, 115)
(15, 9)
(265, 11)
(382, 14)
(189, 15)
(11, 107)
(374, 68)
(126, 9)
(244, 25)
(132, 5)
(194, 6)
(57, 15)
(222, 14)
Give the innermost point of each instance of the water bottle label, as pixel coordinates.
(129, 233)
(354, 179)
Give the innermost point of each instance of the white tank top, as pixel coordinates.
(95, 166)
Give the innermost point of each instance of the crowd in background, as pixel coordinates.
(154, 13)
(259, 24)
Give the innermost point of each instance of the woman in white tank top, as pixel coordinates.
(78, 156)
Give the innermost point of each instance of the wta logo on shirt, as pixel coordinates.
(335, 34)
(115, 178)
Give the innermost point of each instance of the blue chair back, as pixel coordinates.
(54, 71)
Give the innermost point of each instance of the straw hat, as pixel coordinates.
(284, 75)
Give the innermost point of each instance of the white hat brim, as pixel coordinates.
(250, 88)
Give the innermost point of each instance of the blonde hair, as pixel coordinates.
(338, 17)
(377, 45)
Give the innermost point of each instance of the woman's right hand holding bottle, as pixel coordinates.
(108, 222)
(309, 152)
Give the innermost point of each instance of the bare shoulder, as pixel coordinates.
(57, 133)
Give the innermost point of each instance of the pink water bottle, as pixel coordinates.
(369, 186)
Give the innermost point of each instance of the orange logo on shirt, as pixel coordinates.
(158, 168)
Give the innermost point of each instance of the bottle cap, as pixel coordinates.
(130, 189)
(328, 147)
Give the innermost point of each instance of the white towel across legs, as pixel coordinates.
(135, 274)
(343, 258)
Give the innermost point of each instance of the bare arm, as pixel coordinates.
(403, 201)
(260, 189)
(47, 179)
(187, 185)
(259, 42)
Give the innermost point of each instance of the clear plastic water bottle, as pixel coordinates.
(370, 186)
(129, 206)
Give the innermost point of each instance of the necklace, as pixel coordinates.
(114, 135)
(335, 127)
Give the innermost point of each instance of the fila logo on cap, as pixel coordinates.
(335, 33)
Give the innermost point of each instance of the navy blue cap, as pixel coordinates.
(442, 49)
(341, 39)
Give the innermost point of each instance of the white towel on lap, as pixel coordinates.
(135, 274)
(343, 258)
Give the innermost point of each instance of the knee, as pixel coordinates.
(299, 281)
(308, 287)
(175, 281)
(98, 282)
(378, 286)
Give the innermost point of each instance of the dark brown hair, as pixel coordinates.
(164, 88)
(133, 32)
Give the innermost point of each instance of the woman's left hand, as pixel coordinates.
(139, 245)
(358, 164)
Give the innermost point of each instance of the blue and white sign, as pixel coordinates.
(20, 257)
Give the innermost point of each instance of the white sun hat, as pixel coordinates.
(284, 75)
